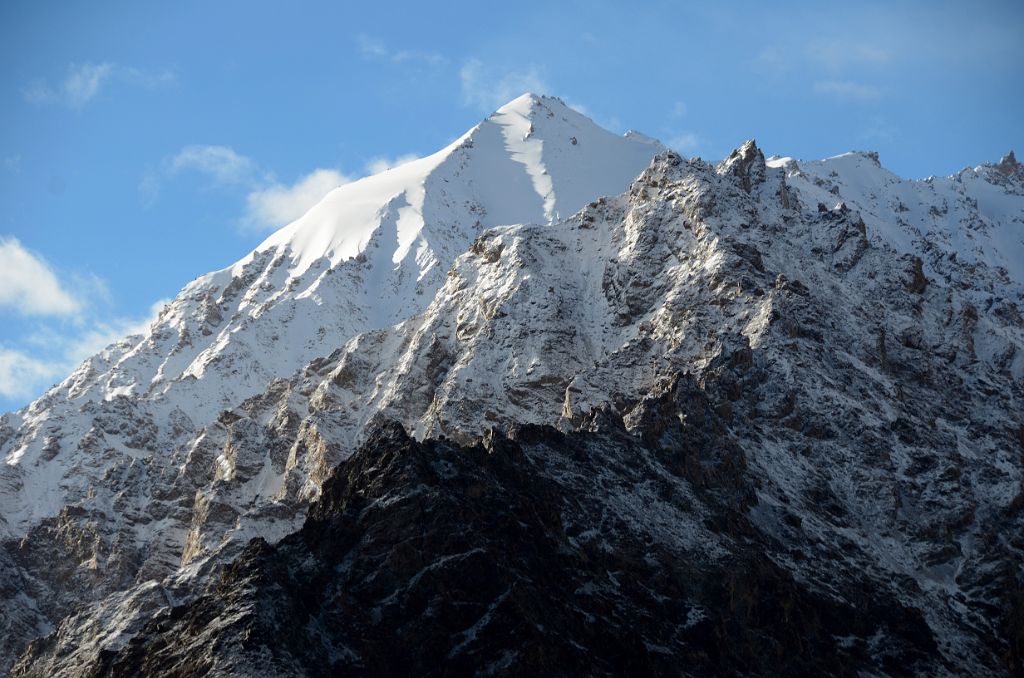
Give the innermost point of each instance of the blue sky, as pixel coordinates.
(143, 144)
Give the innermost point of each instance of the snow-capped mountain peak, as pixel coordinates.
(532, 161)
(370, 254)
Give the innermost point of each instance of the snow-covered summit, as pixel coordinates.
(373, 252)
(532, 161)
(975, 215)
(370, 254)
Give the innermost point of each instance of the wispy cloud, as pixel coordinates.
(29, 285)
(279, 204)
(375, 49)
(219, 163)
(487, 89)
(269, 203)
(83, 82)
(66, 317)
(848, 90)
(22, 376)
(146, 79)
(686, 143)
(50, 355)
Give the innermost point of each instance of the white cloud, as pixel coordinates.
(22, 376)
(378, 165)
(38, 92)
(55, 354)
(280, 204)
(80, 86)
(845, 89)
(685, 143)
(103, 333)
(269, 203)
(220, 163)
(487, 90)
(577, 106)
(372, 48)
(28, 284)
(83, 82)
(149, 188)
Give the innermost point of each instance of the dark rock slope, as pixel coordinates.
(539, 553)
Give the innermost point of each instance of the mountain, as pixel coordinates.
(112, 458)
(807, 371)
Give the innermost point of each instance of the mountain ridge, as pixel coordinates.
(822, 323)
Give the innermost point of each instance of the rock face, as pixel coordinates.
(590, 553)
(739, 393)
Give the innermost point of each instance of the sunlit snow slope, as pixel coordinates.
(370, 254)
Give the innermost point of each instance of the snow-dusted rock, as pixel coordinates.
(858, 336)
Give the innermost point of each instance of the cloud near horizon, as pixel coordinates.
(21, 375)
(280, 204)
(28, 284)
(269, 203)
(53, 355)
(378, 165)
(685, 143)
(67, 326)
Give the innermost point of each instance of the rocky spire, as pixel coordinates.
(746, 163)
(1009, 165)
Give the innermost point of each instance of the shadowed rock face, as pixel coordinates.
(521, 556)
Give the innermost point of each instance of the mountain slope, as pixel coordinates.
(431, 559)
(370, 254)
(105, 458)
(791, 309)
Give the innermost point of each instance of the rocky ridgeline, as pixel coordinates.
(744, 410)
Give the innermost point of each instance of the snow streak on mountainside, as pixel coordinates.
(825, 312)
